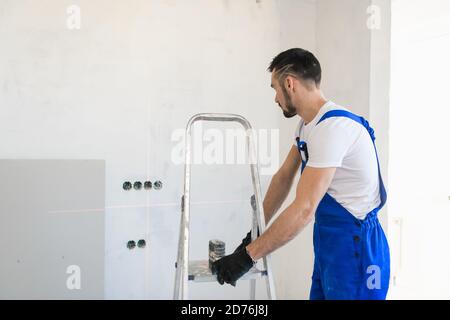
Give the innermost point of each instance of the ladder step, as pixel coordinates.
(199, 272)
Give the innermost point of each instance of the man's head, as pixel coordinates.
(296, 75)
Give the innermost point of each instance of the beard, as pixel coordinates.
(289, 113)
(290, 110)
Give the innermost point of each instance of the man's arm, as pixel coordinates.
(281, 184)
(313, 184)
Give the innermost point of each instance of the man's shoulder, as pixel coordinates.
(331, 106)
(330, 121)
(338, 126)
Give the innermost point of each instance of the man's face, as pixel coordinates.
(282, 98)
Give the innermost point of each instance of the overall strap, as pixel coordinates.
(301, 146)
(365, 124)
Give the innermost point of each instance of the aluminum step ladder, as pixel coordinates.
(198, 271)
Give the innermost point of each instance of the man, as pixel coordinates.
(340, 186)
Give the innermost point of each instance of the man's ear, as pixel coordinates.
(289, 83)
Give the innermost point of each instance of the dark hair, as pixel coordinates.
(297, 62)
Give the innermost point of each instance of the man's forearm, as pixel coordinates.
(312, 187)
(290, 222)
(276, 194)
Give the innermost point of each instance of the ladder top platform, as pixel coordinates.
(199, 272)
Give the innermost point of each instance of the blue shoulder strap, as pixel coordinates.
(365, 124)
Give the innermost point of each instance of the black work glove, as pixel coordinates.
(246, 241)
(230, 268)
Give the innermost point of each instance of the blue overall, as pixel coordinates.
(351, 255)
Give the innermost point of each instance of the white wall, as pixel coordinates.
(343, 45)
(420, 176)
(119, 86)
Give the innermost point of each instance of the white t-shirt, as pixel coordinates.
(345, 144)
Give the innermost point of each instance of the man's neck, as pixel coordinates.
(312, 108)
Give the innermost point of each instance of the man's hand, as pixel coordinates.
(230, 268)
(245, 242)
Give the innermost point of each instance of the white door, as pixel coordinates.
(419, 174)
